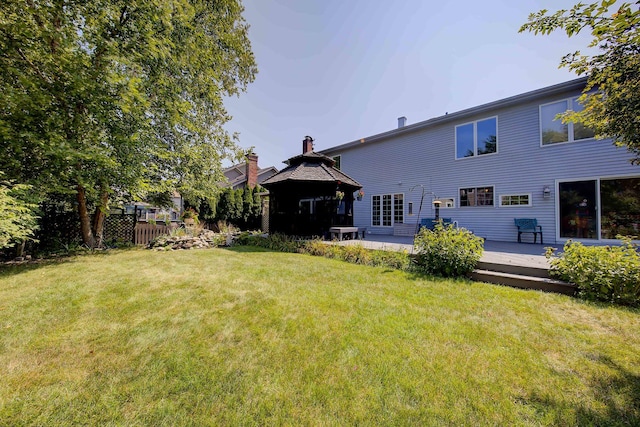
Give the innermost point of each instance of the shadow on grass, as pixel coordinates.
(249, 249)
(13, 268)
(618, 394)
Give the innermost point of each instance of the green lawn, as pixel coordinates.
(249, 337)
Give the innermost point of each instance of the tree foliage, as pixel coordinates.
(18, 220)
(612, 94)
(241, 207)
(119, 98)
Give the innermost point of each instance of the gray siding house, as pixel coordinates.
(490, 164)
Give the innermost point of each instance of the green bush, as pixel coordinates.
(601, 273)
(447, 251)
(390, 259)
(275, 242)
(17, 219)
(355, 254)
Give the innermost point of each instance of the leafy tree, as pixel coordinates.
(241, 207)
(247, 204)
(257, 202)
(18, 220)
(115, 98)
(612, 95)
(237, 209)
(227, 205)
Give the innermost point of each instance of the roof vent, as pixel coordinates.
(402, 121)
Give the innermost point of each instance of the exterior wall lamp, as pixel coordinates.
(546, 192)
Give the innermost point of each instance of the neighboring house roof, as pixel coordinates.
(311, 166)
(236, 174)
(506, 102)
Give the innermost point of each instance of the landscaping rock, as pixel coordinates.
(201, 239)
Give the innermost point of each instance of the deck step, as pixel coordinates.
(514, 269)
(523, 281)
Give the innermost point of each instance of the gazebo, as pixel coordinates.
(310, 195)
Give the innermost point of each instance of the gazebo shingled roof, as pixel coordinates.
(313, 167)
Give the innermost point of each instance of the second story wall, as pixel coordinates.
(407, 160)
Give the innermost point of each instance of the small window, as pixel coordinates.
(446, 203)
(553, 131)
(337, 160)
(515, 200)
(477, 138)
(410, 208)
(476, 196)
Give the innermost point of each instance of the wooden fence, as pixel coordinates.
(119, 227)
(144, 232)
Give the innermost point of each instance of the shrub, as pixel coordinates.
(447, 251)
(190, 213)
(601, 273)
(275, 242)
(390, 259)
(355, 254)
(17, 219)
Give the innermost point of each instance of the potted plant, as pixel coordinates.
(339, 195)
(360, 194)
(190, 216)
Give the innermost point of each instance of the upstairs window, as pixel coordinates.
(553, 131)
(477, 138)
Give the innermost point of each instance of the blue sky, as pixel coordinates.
(341, 70)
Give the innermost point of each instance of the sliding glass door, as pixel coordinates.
(620, 200)
(599, 209)
(578, 218)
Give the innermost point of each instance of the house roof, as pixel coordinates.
(241, 177)
(502, 103)
(311, 166)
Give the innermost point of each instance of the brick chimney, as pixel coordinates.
(307, 144)
(252, 170)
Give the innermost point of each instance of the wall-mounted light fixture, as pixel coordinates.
(546, 192)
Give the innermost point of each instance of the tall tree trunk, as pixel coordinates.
(99, 216)
(85, 222)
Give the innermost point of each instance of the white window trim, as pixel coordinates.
(530, 204)
(475, 139)
(453, 204)
(479, 206)
(569, 102)
(404, 211)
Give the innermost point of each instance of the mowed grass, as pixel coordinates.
(250, 337)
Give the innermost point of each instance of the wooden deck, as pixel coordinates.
(521, 265)
(522, 254)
